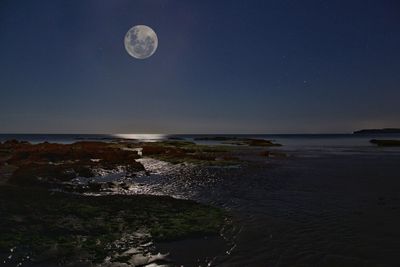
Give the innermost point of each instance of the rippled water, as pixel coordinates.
(328, 209)
(342, 210)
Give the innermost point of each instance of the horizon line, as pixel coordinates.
(155, 133)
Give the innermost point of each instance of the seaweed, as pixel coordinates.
(53, 225)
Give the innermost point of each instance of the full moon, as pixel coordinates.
(141, 41)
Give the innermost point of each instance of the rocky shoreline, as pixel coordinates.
(43, 226)
(75, 204)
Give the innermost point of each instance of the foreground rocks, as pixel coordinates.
(42, 224)
(58, 207)
(45, 163)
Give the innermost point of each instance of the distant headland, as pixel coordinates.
(378, 131)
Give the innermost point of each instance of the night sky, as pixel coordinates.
(221, 66)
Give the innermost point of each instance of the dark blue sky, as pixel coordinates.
(221, 66)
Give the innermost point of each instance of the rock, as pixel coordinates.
(385, 142)
(260, 142)
(48, 162)
(264, 154)
(139, 260)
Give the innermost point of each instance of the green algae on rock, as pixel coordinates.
(44, 163)
(57, 226)
(189, 152)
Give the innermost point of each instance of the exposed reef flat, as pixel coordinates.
(189, 152)
(66, 166)
(238, 141)
(67, 203)
(43, 224)
(39, 226)
(46, 163)
(254, 142)
(385, 142)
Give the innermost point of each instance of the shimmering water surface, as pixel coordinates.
(335, 201)
(333, 210)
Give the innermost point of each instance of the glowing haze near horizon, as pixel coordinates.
(220, 67)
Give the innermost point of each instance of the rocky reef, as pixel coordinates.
(46, 163)
(47, 220)
(386, 143)
(238, 141)
(41, 226)
(79, 204)
(189, 152)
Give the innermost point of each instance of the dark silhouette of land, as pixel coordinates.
(378, 131)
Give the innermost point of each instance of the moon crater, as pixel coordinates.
(141, 41)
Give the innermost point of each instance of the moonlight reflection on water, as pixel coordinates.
(141, 137)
